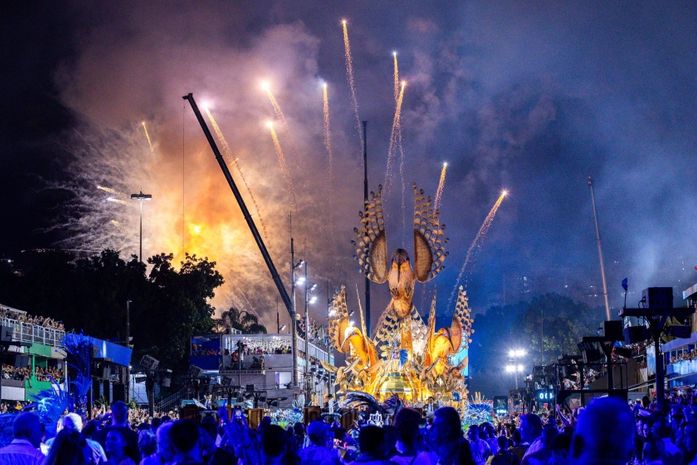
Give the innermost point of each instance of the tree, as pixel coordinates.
(547, 326)
(89, 294)
(241, 320)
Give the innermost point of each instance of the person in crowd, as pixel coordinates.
(488, 433)
(531, 434)
(73, 422)
(446, 439)
(371, 444)
(479, 447)
(24, 448)
(164, 453)
(319, 450)
(184, 437)
(119, 421)
(517, 447)
(115, 446)
(604, 433)
(407, 422)
(147, 443)
(503, 455)
(69, 448)
(274, 446)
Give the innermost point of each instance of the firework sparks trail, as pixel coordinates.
(403, 178)
(327, 131)
(351, 80)
(266, 87)
(441, 186)
(108, 189)
(282, 161)
(147, 136)
(228, 153)
(395, 76)
(394, 139)
(476, 245)
(402, 175)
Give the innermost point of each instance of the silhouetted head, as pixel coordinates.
(446, 428)
(407, 423)
(27, 426)
(604, 433)
(530, 427)
(370, 440)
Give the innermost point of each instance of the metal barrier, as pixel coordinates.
(30, 333)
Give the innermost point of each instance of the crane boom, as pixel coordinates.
(245, 212)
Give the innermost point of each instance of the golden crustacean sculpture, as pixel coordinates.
(446, 342)
(404, 357)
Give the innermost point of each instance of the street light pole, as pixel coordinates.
(140, 197)
(307, 343)
(128, 344)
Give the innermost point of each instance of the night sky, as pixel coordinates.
(529, 96)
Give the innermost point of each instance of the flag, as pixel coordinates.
(625, 284)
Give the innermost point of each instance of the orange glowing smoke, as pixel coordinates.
(441, 186)
(394, 139)
(228, 154)
(351, 80)
(476, 243)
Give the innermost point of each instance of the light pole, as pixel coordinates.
(515, 369)
(140, 197)
(293, 324)
(512, 366)
(309, 288)
(128, 344)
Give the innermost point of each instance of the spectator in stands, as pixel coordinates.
(24, 448)
(604, 433)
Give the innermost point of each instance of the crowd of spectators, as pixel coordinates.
(24, 373)
(607, 431)
(23, 317)
(15, 373)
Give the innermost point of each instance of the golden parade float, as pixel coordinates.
(405, 356)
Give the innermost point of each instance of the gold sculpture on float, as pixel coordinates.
(404, 357)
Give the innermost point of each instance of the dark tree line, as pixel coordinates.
(168, 304)
(547, 326)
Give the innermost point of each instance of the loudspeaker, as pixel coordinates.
(658, 297)
(634, 334)
(149, 363)
(613, 330)
(119, 391)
